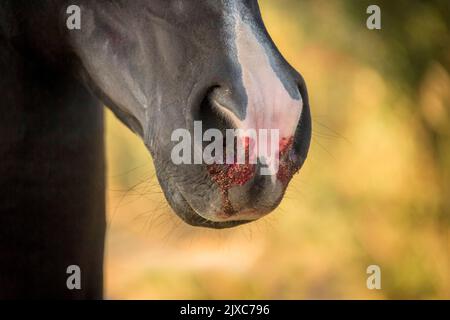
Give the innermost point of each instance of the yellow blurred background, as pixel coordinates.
(374, 190)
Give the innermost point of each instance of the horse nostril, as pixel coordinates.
(230, 103)
(210, 115)
(302, 136)
(294, 156)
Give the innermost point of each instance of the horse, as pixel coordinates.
(159, 65)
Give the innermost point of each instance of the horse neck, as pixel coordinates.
(52, 178)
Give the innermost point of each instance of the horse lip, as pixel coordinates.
(220, 217)
(219, 221)
(247, 215)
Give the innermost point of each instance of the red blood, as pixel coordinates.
(229, 175)
(287, 166)
(286, 143)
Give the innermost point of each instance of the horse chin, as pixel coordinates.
(185, 211)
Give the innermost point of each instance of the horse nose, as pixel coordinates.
(264, 98)
(274, 136)
(267, 119)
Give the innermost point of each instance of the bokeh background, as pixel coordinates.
(375, 188)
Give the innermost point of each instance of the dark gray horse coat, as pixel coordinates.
(159, 65)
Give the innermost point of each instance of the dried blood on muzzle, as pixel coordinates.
(287, 166)
(228, 175)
